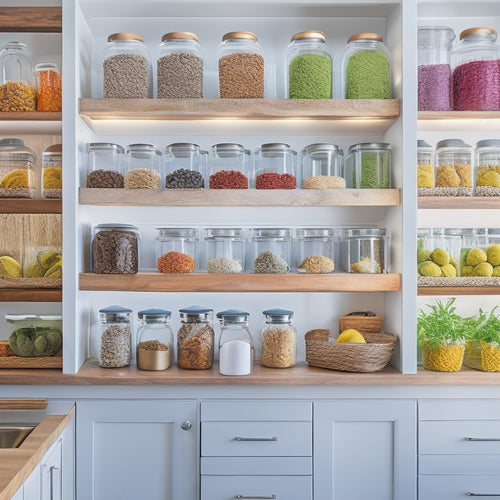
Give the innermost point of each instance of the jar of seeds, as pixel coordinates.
(487, 166)
(315, 250)
(185, 166)
(241, 66)
(143, 167)
(17, 162)
(126, 66)
(52, 171)
(104, 165)
(368, 166)
(278, 338)
(195, 339)
(269, 250)
(228, 166)
(113, 343)
(322, 167)
(224, 250)
(176, 249)
(275, 166)
(180, 66)
(453, 168)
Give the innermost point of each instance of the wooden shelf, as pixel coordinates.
(37, 116)
(30, 206)
(238, 197)
(458, 115)
(204, 282)
(31, 19)
(458, 202)
(458, 290)
(30, 295)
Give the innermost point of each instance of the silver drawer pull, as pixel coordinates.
(481, 439)
(270, 497)
(470, 494)
(239, 438)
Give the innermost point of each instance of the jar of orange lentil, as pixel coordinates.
(176, 249)
(49, 87)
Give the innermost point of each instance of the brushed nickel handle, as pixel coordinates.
(52, 471)
(239, 438)
(270, 497)
(470, 494)
(186, 425)
(481, 439)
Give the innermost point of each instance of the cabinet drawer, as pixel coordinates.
(254, 439)
(256, 466)
(459, 464)
(258, 409)
(458, 487)
(251, 487)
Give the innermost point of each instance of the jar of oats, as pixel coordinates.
(278, 339)
(143, 167)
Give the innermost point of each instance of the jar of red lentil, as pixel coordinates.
(228, 166)
(275, 166)
(176, 249)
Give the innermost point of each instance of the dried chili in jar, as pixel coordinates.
(49, 87)
(275, 166)
(231, 179)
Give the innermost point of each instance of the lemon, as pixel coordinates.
(351, 335)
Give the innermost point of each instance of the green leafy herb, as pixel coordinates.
(485, 327)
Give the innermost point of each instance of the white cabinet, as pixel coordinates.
(137, 449)
(365, 449)
(51, 473)
(32, 485)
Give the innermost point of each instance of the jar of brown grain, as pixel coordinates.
(278, 339)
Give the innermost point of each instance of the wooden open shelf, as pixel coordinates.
(205, 282)
(31, 19)
(458, 290)
(49, 116)
(238, 197)
(454, 115)
(30, 295)
(30, 206)
(458, 202)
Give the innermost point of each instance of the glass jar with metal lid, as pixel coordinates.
(113, 341)
(176, 249)
(366, 68)
(126, 67)
(487, 166)
(278, 339)
(275, 166)
(434, 72)
(17, 163)
(309, 66)
(466, 248)
(180, 66)
(364, 250)
(368, 166)
(52, 171)
(105, 163)
(269, 250)
(315, 250)
(224, 250)
(453, 168)
(17, 85)
(228, 166)
(154, 340)
(236, 348)
(143, 167)
(195, 339)
(49, 87)
(185, 166)
(241, 66)
(426, 177)
(322, 167)
(475, 71)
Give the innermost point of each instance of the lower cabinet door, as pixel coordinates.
(458, 486)
(256, 487)
(51, 473)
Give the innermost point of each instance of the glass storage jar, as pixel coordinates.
(471, 251)
(476, 71)
(453, 168)
(115, 249)
(185, 165)
(176, 249)
(278, 339)
(113, 342)
(43, 261)
(487, 165)
(493, 249)
(434, 72)
(143, 167)
(364, 250)
(49, 87)
(179, 66)
(269, 251)
(224, 250)
(438, 253)
(368, 166)
(126, 66)
(154, 340)
(17, 176)
(17, 85)
(275, 166)
(52, 171)
(241, 66)
(322, 167)
(426, 177)
(236, 349)
(309, 66)
(105, 165)
(195, 339)
(315, 250)
(228, 166)
(366, 68)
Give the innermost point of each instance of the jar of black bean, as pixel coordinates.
(185, 165)
(105, 165)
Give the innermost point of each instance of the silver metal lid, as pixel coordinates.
(119, 227)
(108, 147)
(278, 315)
(182, 147)
(314, 232)
(154, 315)
(223, 232)
(275, 147)
(370, 146)
(14, 149)
(270, 232)
(143, 148)
(322, 148)
(422, 144)
(176, 232)
(228, 147)
(115, 314)
(233, 316)
(195, 314)
(488, 143)
(451, 143)
(361, 232)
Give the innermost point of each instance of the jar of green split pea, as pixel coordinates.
(368, 166)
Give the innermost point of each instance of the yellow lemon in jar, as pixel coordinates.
(351, 335)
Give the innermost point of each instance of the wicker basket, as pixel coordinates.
(364, 358)
(363, 324)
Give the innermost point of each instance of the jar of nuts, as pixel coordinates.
(278, 339)
(105, 165)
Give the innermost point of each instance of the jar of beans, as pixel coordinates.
(115, 249)
(278, 339)
(438, 252)
(309, 66)
(105, 165)
(228, 166)
(269, 251)
(126, 68)
(426, 180)
(224, 250)
(17, 163)
(176, 249)
(315, 250)
(476, 72)
(241, 66)
(368, 166)
(195, 339)
(453, 168)
(487, 166)
(143, 167)
(322, 167)
(52, 171)
(180, 66)
(49, 87)
(434, 72)
(275, 166)
(366, 68)
(185, 166)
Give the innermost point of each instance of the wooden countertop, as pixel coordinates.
(17, 464)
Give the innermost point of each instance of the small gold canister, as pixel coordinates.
(154, 347)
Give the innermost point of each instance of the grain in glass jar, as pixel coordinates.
(368, 166)
(176, 249)
(228, 166)
(17, 176)
(143, 167)
(185, 166)
(275, 166)
(52, 171)
(278, 339)
(104, 165)
(49, 87)
(453, 161)
(438, 254)
(315, 250)
(269, 251)
(224, 250)
(487, 166)
(195, 339)
(322, 167)
(426, 177)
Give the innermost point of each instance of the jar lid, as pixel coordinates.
(196, 313)
(435, 34)
(422, 144)
(182, 147)
(125, 36)
(278, 314)
(11, 318)
(46, 66)
(53, 149)
(488, 143)
(361, 232)
(179, 35)
(482, 30)
(365, 36)
(223, 232)
(143, 148)
(369, 146)
(115, 314)
(115, 309)
(176, 232)
(232, 35)
(51, 317)
(122, 227)
(15, 149)
(314, 232)
(228, 147)
(16, 46)
(313, 34)
(152, 315)
(451, 143)
(323, 148)
(104, 147)
(270, 232)
(233, 316)
(275, 147)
